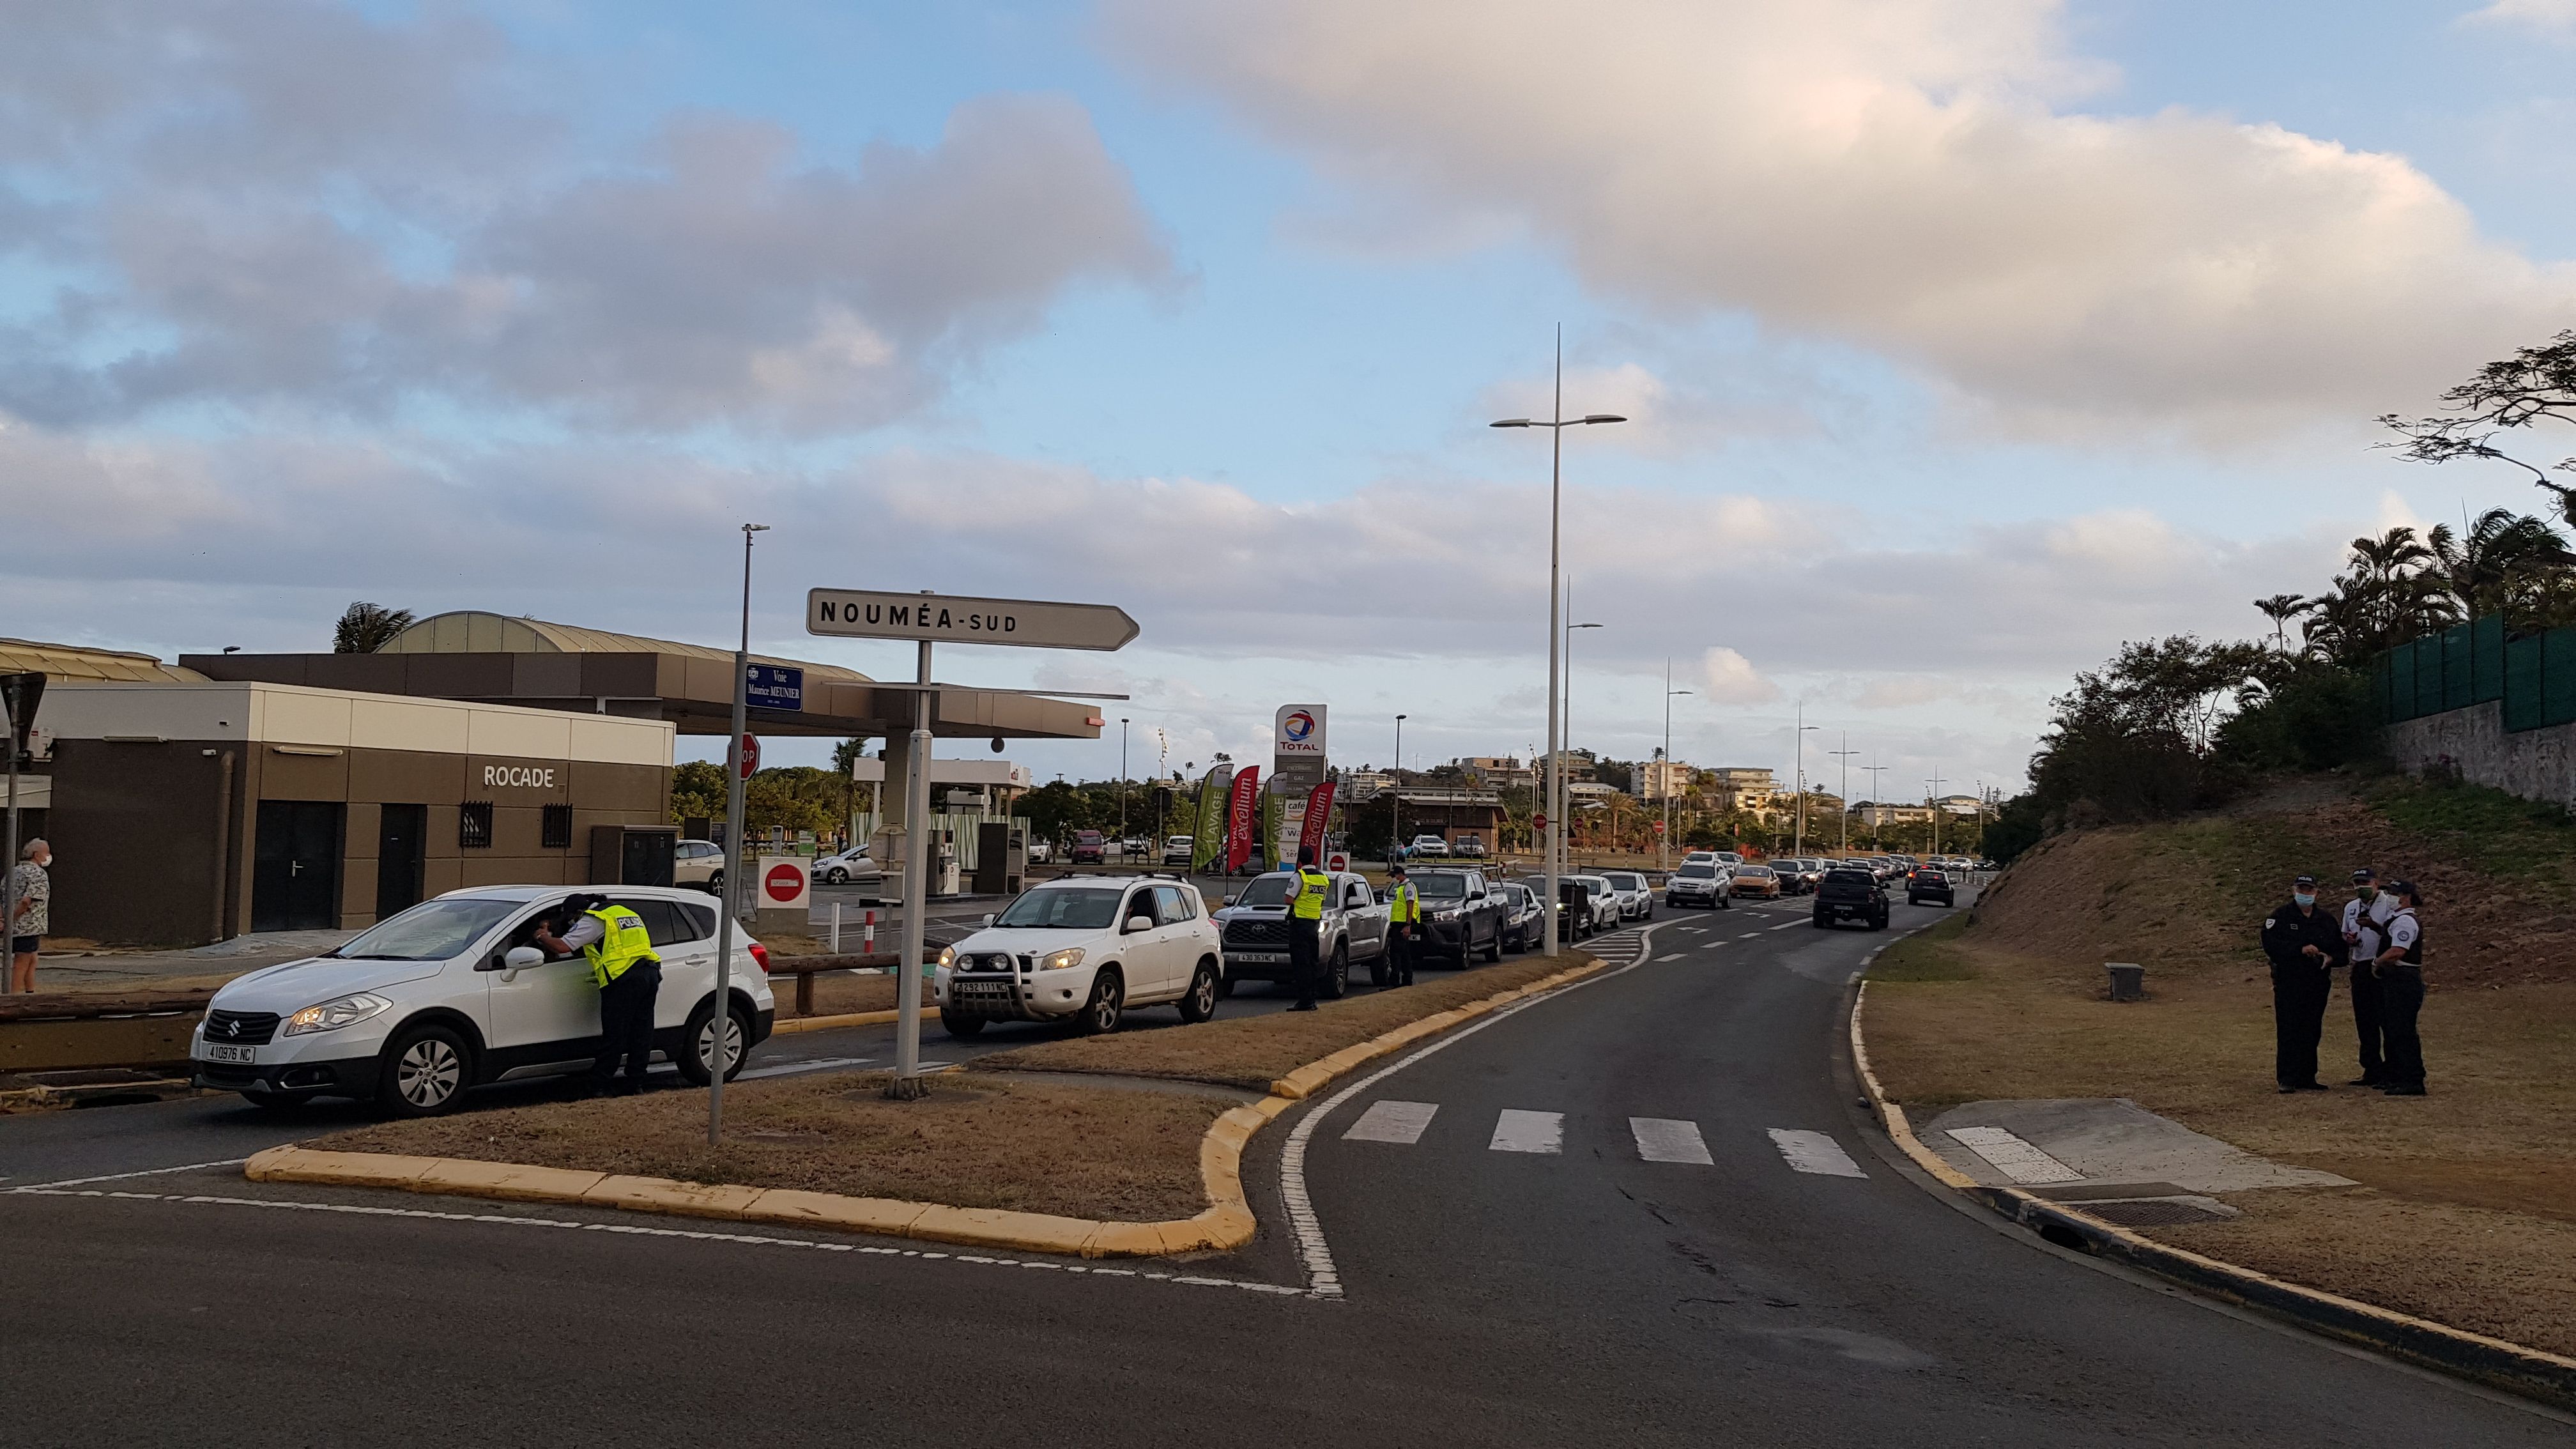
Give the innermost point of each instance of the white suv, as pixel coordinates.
(1083, 949)
(452, 994)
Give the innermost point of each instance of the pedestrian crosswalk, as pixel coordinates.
(1654, 1139)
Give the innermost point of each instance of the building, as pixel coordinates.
(1875, 815)
(1966, 807)
(1662, 779)
(1749, 788)
(1500, 772)
(1367, 784)
(1456, 816)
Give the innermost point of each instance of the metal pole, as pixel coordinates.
(1845, 754)
(1398, 789)
(9, 863)
(722, 1020)
(907, 1084)
(1799, 845)
(1555, 642)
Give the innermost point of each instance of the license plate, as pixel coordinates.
(1257, 957)
(980, 988)
(217, 1052)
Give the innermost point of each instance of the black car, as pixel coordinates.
(1459, 916)
(1850, 895)
(1929, 883)
(1520, 915)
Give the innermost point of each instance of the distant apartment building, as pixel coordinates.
(1874, 815)
(1661, 779)
(1499, 772)
(1741, 787)
(1966, 807)
(1367, 784)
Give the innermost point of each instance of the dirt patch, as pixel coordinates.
(986, 1142)
(1254, 1051)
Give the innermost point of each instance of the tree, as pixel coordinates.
(2281, 609)
(365, 628)
(2505, 564)
(2535, 385)
(697, 789)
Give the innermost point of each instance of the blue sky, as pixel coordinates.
(1201, 309)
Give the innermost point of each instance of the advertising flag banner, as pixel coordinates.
(1278, 849)
(1209, 844)
(1242, 817)
(1319, 812)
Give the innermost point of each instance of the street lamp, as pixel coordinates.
(1396, 790)
(1934, 800)
(722, 1025)
(1799, 847)
(1557, 776)
(1846, 752)
(1664, 771)
(1556, 427)
(1122, 782)
(1875, 769)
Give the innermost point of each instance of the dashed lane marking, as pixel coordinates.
(1666, 1139)
(2013, 1157)
(1539, 1132)
(1673, 956)
(1399, 1122)
(1748, 935)
(1788, 925)
(1815, 1152)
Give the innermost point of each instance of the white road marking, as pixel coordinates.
(1323, 1279)
(1518, 1131)
(1674, 956)
(1815, 1152)
(122, 1176)
(1788, 925)
(1666, 1139)
(1748, 935)
(2013, 1157)
(1399, 1122)
(789, 1069)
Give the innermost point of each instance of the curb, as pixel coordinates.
(1226, 1223)
(2495, 1362)
(795, 1024)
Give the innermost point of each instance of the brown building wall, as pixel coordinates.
(143, 846)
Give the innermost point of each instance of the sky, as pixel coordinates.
(1961, 340)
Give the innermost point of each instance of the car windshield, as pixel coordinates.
(1084, 908)
(1698, 872)
(1627, 882)
(430, 931)
(1758, 872)
(1440, 887)
(1269, 890)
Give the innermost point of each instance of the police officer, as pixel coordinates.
(2400, 970)
(2305, 944)
(629, 976)
(1403, 928)
(2365, 922)
(1307, 890)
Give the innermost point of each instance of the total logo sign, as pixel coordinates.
(1301, 731)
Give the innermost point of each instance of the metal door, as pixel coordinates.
(295, 866)
(398, 858)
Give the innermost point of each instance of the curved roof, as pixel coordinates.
(74, 661)
(475, 631)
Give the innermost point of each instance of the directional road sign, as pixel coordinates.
(956, 619)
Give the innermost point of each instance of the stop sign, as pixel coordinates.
(784, 882)
(750, 755)
(1538, 822)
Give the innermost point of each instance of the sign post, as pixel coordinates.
(927, 618)
(19, 695)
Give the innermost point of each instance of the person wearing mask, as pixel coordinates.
(2365, 919)
(1403, 928)
(31, 895)
(629, 977)
(2305, 944)
(1307, 891)
(2400, 970)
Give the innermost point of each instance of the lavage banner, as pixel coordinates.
(1209, 844)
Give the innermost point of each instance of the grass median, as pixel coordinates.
(1251, 1052)
(982, 1142)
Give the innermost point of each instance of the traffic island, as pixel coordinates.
(989, 1160)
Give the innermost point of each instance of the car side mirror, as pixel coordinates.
(1229, 900)
(515, 960)
(988, 918)
(1475, 895)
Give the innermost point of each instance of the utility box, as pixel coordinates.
(632, 854)
(1001, 859)
(2128, 980)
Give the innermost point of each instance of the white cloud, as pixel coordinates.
(1727, 677)
(2548, 17)
(1906, 175)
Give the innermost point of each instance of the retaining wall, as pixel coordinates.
(2535, 764)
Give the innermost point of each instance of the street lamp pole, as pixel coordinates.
(1396, 788)
(1934, 801)
(1874, 770)
(1846, 752)
(1556, 427)
(1122, 782)
(721, 1024)
(1664, 772)
(1564, 802)
(1799, 847)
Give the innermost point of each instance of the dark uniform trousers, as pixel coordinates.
(626, 1022)
(2298, 1019)
(2368, 1022)
(2401, 996)
(1404, 952)
(1305, 941)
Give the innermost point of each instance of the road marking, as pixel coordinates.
(1748, 935)
(2012, 1156)
(1399, 1122)
(1323, 1279)
(1665, 1139)
(1815, 1152)
(789, 1069)
(1675, 956)
(39, 1187)
(1517, 1131)
(1788, 925)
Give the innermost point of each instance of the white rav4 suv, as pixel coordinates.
(452, 994)
(1083, 949)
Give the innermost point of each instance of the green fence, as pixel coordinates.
(2472, 663)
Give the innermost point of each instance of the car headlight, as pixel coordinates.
(1444, 915)
(947, 957)
(1059, 960)
(333, 1015)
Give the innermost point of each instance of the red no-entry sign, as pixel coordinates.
(1538, 822)
(750, 755)
(784, 883)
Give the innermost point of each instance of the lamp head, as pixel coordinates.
(1603, 418)
(1510, 423)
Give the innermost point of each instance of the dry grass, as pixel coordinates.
(984, 1142)
(2468, 1194)
(1253, 1051)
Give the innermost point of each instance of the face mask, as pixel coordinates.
(2305, 898)
(2369, 893)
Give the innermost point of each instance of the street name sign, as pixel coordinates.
(774, 686)
(956, 619)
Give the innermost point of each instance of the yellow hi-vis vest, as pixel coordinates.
(1408, 905)
(625, 943)
(1306, 902)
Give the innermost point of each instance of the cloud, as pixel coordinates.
(1727, 677)
(1914, 177)
(272, 204)
(2555, 18)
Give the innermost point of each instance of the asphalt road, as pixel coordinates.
(1487, 1292)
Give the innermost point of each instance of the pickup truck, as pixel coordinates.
(1255, 926)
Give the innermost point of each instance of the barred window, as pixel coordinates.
(474, 826)
(558, 828)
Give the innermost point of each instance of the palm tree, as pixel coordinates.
(2499, 564)
(2281, 609)
(365, 628)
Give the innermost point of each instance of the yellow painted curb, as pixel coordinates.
(795, 1024)
(1226, 1223)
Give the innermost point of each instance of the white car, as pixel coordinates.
(1084, 949)
(1429, 845)
(1176, 851)
(851, 865)
(1636, 898)
(1698, 883)
(698, 863)
(451, 994)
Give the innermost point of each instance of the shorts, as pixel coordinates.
(24, 945)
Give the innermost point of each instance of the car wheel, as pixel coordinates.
(960, 1026)
(273, 1100)
(715, 883)
(836, 876)
(1494, 947)
(1199, 1002)
(1382, 970)
(699, 1050)
(1224, 987)
(1100, 1014)
(426, 1071)
(1337, 974)
(1821, 922)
